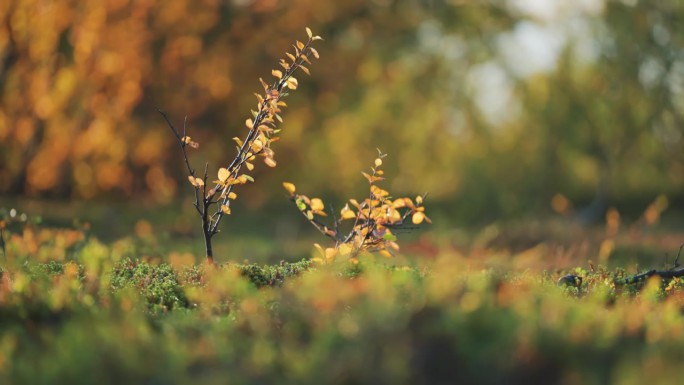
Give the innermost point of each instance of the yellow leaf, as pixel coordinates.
(270, 162)
(249, 123)
(277, 74)
(309, 215)
(250, 166)
(232, 195)
(300, 45)
(292, 83)
(257, 146)
(306, 70)
(308, 32)
(345, 249)
(385, 253)
(317, 204)
(418, 218)
(289, 187)
(291, 56)
(330, 253)
(192, 180)
(238, 141)
(378, 162)
(314, 52)
(225, 209)
(347, 213)
(419, 200)
(223, 174)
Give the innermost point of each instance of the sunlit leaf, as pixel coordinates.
(289, 187)
(314, 52)
(347, 213)
(330, 253)
(385, 253)
(223, 174)
(378, 162)
(292, 83)
(232, 195)
(277, 73)
(317, 204)
(225, 209)
(418, 218)
(346, 249)
(257, 146)
(270, 162)
(308, 32)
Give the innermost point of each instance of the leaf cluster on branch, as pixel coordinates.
(262, 133)
(373, 219)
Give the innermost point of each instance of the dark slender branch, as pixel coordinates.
(665, 274)
(180, 140)
(320, 226)
(676, 261)
(2, 242)
(237, 163)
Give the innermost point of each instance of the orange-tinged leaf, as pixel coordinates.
(225, 209)
(232, 195)
(330, 253)
(223, 174)
(346, 249)
(385, 253)
(249, 123)
(289, 187)
(257, 145)
(399, 203)
(418, 218)
(347, 213)
(300, 45)
(270, 162)
(292, 83)
(277, 73)
(199, 182)
(192, 180)
(317, 204)
(291, 56)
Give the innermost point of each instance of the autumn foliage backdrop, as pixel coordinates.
(492, 107)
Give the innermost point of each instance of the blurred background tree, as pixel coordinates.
(493, 107)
